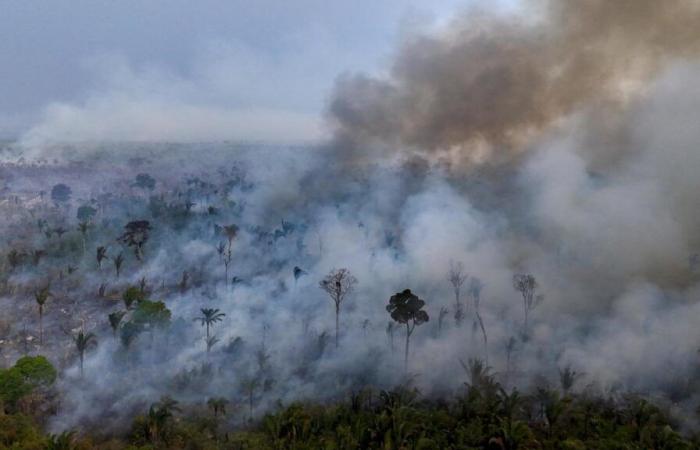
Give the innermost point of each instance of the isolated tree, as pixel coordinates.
(145, 181)
(101, 256)
(115, 319)
(406, 308)
(457, 277)
(209, 317)
(118, 261)
(474, 289)
(567, 379)
(82, 341)
(441, 318)
(85, 213)
(338, 284)
(61, 193)
(84, 227)
(231, 232)
(136, 235)
(41, 296)
(526, 284)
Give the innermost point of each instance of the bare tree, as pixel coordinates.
(526, 284)
(101, 255)
(457, 277)
(474, 289)
(118, 261)
(41, 296)
(231, 232)
(338, 284)
(441, 318)
(135, 235)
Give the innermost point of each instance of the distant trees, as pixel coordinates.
(41, 296)
(136, 235)
(526, 284)
(407, 309)
(82, 341)
(338, 284)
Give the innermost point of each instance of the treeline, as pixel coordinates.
(483, 415)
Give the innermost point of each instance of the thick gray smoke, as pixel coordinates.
(579, 132)
(481, 90)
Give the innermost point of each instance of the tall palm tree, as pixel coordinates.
(41, 296)
(82, 341)
(209, 317)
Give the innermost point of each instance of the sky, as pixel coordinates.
(190, 71)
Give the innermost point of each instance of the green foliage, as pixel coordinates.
(27, 374)
(133, 295)
(36, 370)
(153, 314)
(19, 432)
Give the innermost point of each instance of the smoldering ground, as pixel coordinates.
(563, 146)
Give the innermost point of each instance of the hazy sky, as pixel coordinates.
(186, 70)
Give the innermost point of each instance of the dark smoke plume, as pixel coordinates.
(481, 90)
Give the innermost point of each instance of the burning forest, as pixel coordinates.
(494, 244)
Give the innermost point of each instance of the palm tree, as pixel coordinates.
(115, 320)
(209, 317)
(41, 296)
(82, 341)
